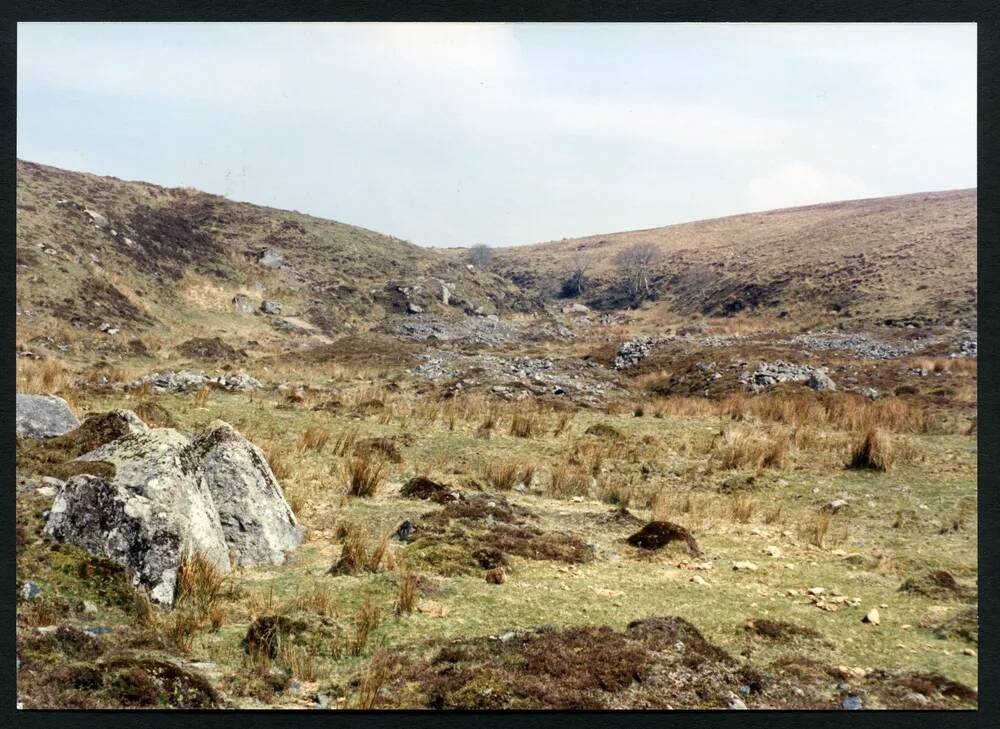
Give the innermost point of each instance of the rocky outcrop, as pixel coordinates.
(43, 416)
(270, 258)
(257, 522)
(189, 381)
(170, 497)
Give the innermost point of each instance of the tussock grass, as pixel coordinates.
(406, 597)
(373, 678)
(364, 473)
(522, 425)
(505, 475)
(313, 438)
(752, 448)
(872, 451)
(567, 480)
(365, 621)
(200, 587)
(277, 458)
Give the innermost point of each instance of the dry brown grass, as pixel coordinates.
(353, 556)
(46, 376)
(365, 621)
(522, 425)
(300, 660)
(373, 678)
(872, 451)
(317, 599)
(956, 366)
(364, 473)
(562, 423)
(567, 480)
(752, 448)
(406, 598)
(313, 438)
(817, 529)
(505, 475)
(200, 398)
(200, 587)
(276, 455)
(381, 554)
(346, 441)
(741, 509)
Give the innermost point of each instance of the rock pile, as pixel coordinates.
(859, 343)
(171, 496)
(769, 374)
(189, 380)
(634, 351)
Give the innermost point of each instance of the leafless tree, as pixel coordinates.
(480, 255)
(577, 282)
(635, 263)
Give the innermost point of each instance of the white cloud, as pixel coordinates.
(798, 183)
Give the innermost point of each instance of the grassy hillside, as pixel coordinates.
(911, 257)
(152, 260)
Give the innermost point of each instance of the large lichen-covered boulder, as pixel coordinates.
(259, 525)
(158, 481)
(108, 519)
(43, 416)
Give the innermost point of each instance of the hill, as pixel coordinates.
(907, 259)
(98, 251)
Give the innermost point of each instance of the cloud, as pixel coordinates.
(798, 183)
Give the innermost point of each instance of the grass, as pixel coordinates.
(680, 487)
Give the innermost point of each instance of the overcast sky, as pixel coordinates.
(455, 134)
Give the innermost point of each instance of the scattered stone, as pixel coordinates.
(772, 551)
(872, 617)
(405, 531)
(43, 416)
(834, 506)
(270, 307)
(744, 566)
(30, 590)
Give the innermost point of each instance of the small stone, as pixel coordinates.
(969, 652)
(30, 590)
(698, 580)
(97, 630)
(508, 636)
(852, 703)
(745, 565)
(816, 590)
(915, 698)
(872, 617)
(772, 551)
(323, 701)
(88, 608)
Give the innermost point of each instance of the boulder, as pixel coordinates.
(270, 258)
(819, 380)
(156, 508)
(242, 304)
(270, 307)
(43, 416)
(259, 526)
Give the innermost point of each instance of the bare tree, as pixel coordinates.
(635, 263)
(480, 255)
(576, 284)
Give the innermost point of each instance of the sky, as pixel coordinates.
(506, 134)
